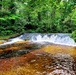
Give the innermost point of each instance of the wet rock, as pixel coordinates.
(2, 41)
(48, 60)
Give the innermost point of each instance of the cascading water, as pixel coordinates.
(56, 39)
(11, 41)
(62, 39)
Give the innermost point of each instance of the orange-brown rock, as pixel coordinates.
(16, 46)
(54, 49)
(49, 60)
(2, 41)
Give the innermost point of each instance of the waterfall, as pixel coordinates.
(11, 41)
(56, 39)
(62, 39)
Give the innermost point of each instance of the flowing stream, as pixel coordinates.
(58, 59)
(61, 39)
(55, 39)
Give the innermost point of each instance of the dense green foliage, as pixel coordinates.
(73, 35)
(48, 16)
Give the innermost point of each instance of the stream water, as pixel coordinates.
(54, 54)
(62, 39)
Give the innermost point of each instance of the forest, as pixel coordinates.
(37, 16)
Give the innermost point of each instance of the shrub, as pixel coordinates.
(73, 35)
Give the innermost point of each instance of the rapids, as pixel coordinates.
(61, 39)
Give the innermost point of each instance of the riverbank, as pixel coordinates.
(8, 36)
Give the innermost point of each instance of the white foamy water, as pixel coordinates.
(43, 38)
(12, 41)
(56, 39)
